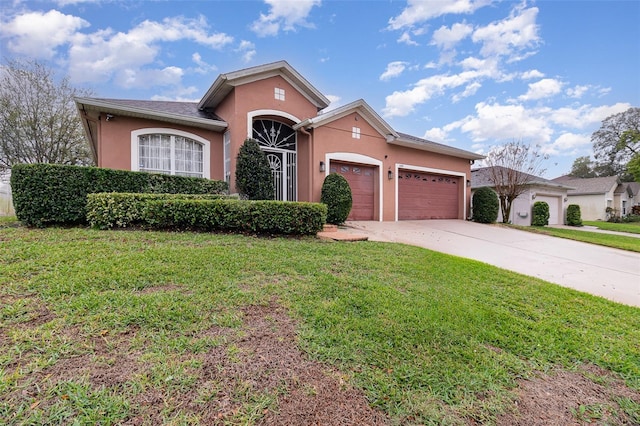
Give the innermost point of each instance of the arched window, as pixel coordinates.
(169, 151)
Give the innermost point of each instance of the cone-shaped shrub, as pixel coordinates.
(336, 194)
(253, 173)
(485, 205)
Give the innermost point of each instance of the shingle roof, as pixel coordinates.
(438, 147)
(185, 109)
(482, 177)
(585, 186)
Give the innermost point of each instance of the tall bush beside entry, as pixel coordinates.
(49, 194)
(336, 194)
(485, 205)
(574, 217)
(540, 215)
(253, 173)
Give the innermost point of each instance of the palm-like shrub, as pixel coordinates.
(336, 194)
(253, 173)
(485, 205)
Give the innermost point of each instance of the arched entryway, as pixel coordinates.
(278, 140)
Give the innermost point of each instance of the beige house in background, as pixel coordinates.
(602, 197)
(393, 175)
(538, 189)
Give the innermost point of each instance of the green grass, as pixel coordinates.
(621, 242)
(427, 336)
(630, 227)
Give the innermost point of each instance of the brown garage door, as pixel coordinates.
(427, 196)
(361, 181)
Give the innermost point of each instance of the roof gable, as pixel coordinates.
(482, 177)
(224, 84)
(590, 186)
(359, 106)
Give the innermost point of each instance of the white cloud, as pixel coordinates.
(510, 36)
(38, 34)
(577, 91)
(418, 11)
(202, 66)
(544, 88)
(567, 144)
(585, 116)
(101, 55)
(470, 90)
(182, 94)
(531, 74)
(247, 49)
(406, 39)
(394, 69)
(446, 38)
(284, 15)
(505, 122)
(136, 78)
(335, 102)
(436, 134)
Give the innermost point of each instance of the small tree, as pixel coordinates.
(39, 122)
(485, 205)
(540, 216)
(254, 180)
(574, 217)
(336, 194)
(511, 169)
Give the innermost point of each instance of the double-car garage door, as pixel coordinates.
(420, 195)
(427, 196)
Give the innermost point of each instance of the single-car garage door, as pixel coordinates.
(427, 196)
(361, 181)
(555, 213)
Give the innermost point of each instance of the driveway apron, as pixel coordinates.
(602, 271)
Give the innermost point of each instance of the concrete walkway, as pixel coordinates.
(602, 271)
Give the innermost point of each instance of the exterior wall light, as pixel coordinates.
(390, 174)
(322, 168)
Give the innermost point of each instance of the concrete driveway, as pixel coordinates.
(610, 273)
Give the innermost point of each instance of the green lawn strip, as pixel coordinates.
(428, 337)
(621, 242)
(630, 227)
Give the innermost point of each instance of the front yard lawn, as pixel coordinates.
(621, 242)
(135, 327)
(630, 227)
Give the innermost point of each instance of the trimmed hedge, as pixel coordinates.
(50, 194)
(540, 216)
(121, 210)
(485, 205)
(336, 194)
(574, 217)
(243, 216)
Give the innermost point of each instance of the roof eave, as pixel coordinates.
(439, 149)
(117, 109)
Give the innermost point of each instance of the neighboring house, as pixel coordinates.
(393, 176)
(537, 189)
(602, 197)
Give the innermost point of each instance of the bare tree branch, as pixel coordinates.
(38, 119)
(512, 167)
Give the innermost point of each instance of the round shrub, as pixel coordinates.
(336, 194)
(485, 205)
(253, 173)
(540, 215)
(574, 217)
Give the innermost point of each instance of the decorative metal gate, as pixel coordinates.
(278, 141)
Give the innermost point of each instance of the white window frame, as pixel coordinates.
(355, 132)
(279, 94)
(206, 147)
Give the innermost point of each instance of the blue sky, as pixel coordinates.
(473, 74)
